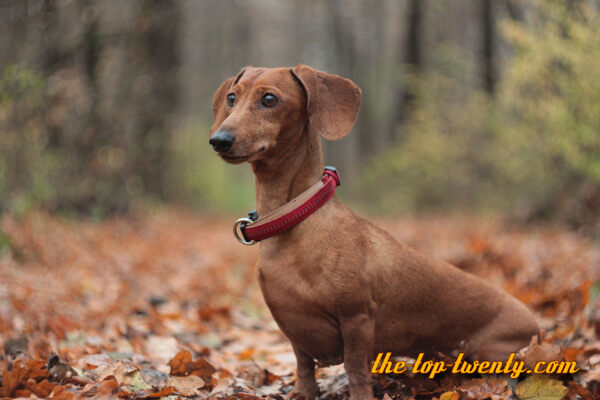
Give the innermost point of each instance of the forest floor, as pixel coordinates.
(168, 305)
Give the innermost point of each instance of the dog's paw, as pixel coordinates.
(303, 392)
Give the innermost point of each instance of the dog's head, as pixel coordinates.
(257, 110)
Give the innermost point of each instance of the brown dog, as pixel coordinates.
(340, 288)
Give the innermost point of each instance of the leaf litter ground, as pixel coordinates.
(167, 306)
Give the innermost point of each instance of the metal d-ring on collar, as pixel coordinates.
(242, 222)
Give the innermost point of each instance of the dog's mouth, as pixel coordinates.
(242, 158)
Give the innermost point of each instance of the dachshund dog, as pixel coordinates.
(340, 288)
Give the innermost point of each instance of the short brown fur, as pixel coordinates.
(340, 288)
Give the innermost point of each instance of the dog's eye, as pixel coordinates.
(269, 100)
(230, 100)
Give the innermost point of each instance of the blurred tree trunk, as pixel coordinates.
(489, 39)
(368, 134)
(156, 90)
(413, 60)
(413, 44)
(514, 10)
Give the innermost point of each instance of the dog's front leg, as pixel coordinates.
(306, 386)
(358, 333)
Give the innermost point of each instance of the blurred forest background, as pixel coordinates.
(468, 105)
(116, 253)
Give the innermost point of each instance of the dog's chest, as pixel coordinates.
(301, 314)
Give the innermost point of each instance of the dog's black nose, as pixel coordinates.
(222, 141)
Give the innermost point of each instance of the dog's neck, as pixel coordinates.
(298, 166)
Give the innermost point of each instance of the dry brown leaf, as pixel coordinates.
(60, 393)
(42, 389)
(161, 347)
(182, 365)
(591, 380)
(156, 379)
(22, 393)
(9, 384)
(576, 391)
(92, 361)
(11, 380)
(37, 370)
(89, 389)
(495, 388)
(166, 391)
(109, 387)
(570, 353)
(591, 349)
(208, 313)
(252, 373)
(178, 363)
(60, 325)
(255, 375)
(186, 385)
(536, 352)
(224, 380)
(117, 370)
(247, 396)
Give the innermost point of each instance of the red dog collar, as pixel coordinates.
(253, 229)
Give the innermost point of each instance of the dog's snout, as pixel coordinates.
(222, 141)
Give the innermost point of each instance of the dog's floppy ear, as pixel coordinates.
(219, 109)
(332, 101)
